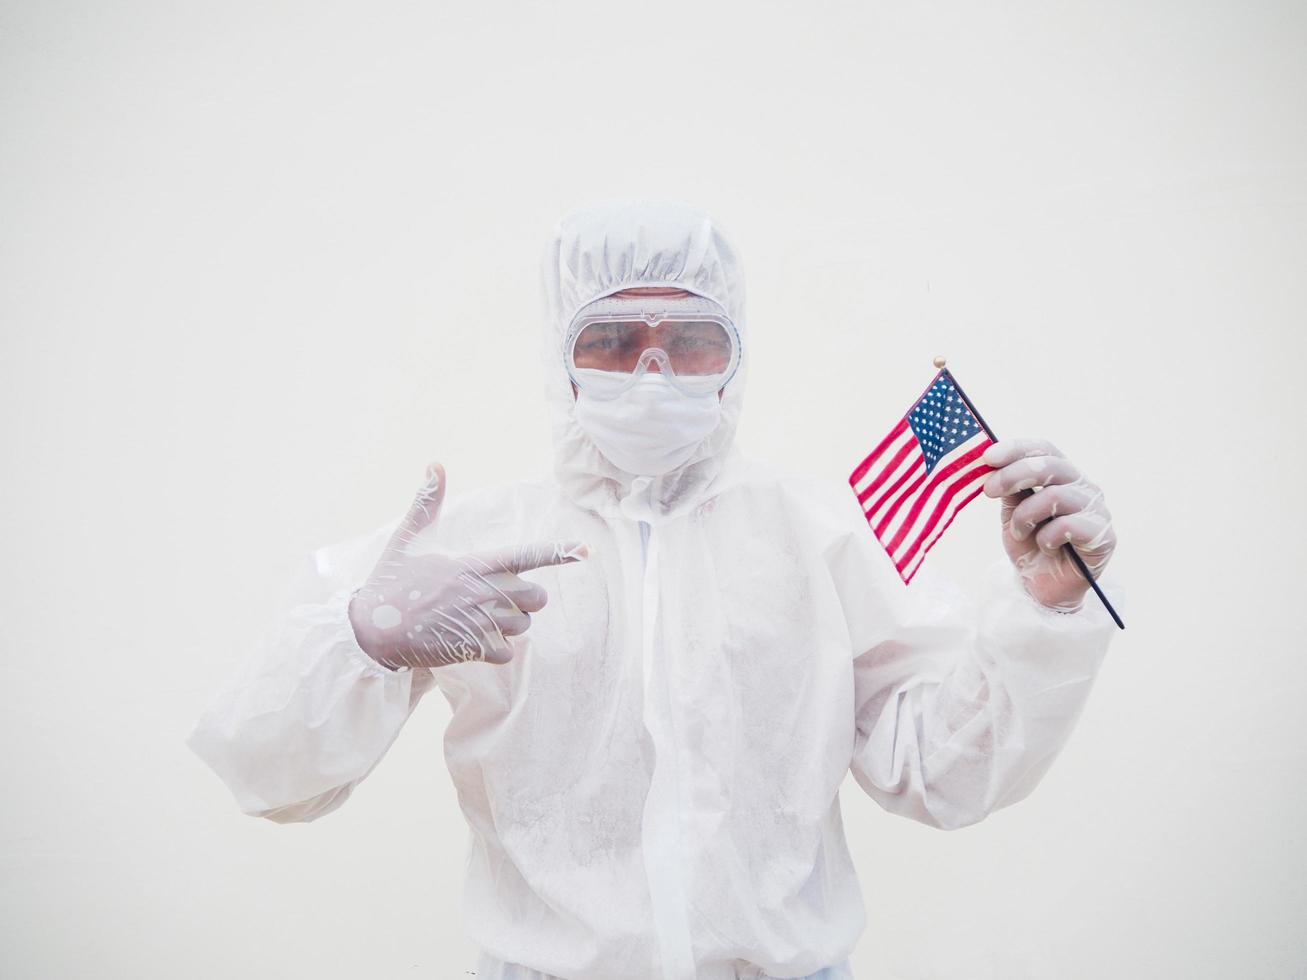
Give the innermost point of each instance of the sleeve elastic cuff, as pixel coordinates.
(1007, 597)
(339, 612)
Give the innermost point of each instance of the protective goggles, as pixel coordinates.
(614, 341)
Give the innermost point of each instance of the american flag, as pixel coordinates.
(927, 469)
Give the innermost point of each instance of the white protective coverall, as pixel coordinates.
(651, 784)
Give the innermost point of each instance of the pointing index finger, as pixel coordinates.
(524, 557)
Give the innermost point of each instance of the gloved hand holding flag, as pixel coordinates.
(941, 455)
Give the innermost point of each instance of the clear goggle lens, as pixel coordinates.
(697, 349)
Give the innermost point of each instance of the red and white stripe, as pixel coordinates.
(907, 509)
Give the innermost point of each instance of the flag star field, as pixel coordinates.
(941, 421)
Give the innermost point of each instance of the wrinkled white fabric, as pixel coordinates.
(652, 781)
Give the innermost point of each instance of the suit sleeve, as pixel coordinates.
(309, 714)
(961, 706)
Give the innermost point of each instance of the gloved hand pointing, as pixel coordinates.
(432, 610)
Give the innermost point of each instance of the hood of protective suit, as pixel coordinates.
(619, 245)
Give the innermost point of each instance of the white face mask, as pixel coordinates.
(651, 428)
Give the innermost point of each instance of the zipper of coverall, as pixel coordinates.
(666, 870)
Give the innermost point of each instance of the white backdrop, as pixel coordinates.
(260, 262)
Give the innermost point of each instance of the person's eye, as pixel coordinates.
(697, 342)
(602, 344)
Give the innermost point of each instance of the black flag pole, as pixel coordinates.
(1075, 555)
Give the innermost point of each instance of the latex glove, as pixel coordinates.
(432, 610)
(1048, 502)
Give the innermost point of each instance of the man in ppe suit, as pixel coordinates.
(663, 660)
